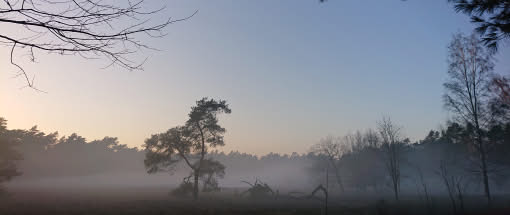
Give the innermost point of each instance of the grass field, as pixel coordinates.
(155, 200)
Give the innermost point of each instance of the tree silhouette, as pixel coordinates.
(392, 147)
(88, 28)
(491, 16)
(211, 170)
(8, 156)
(332, 149)
(468, 94)
(189, 142)
(501, 103)
(364, 166)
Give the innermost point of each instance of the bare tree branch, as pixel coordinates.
(89, 28)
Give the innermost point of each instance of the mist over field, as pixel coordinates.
(125, 168)
(72, 162)
(254, 107)
(356, 170)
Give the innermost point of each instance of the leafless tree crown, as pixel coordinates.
(89, 28)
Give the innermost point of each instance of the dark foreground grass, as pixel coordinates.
(143, 200)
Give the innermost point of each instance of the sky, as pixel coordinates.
(292, 71)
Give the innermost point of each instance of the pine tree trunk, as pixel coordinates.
(195, 186)
(486, 179)
(483, 158)
(395, 189)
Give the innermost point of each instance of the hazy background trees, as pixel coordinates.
(72, 160)
(365, 159)
(392, 145)
(8, 155)
(330, 149)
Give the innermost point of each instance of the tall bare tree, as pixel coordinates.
(356, 141)
(468, 94)
(88, 28)
(392, 146)
(188, 143)
(371, 138)
(332, 149)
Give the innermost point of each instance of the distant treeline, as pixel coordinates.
(358, 166)
(361, 161)
(51, 155)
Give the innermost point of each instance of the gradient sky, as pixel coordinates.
(292, 71)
